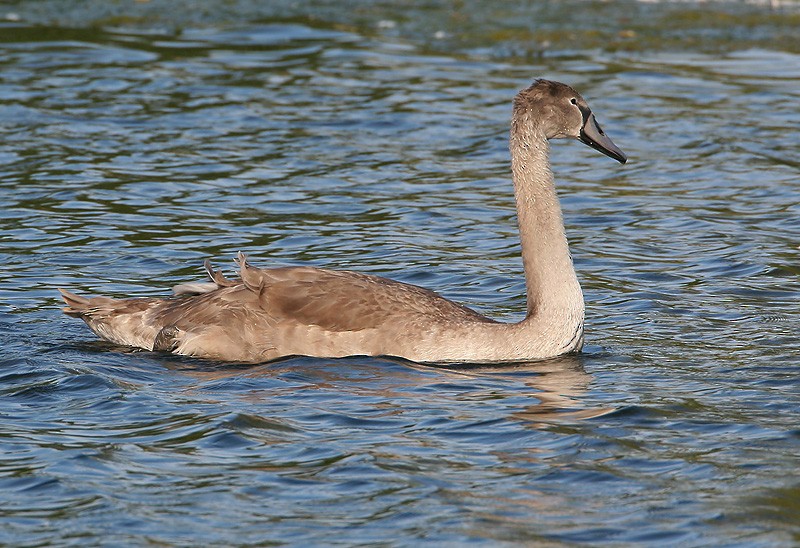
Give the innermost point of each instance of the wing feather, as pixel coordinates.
(273, 312)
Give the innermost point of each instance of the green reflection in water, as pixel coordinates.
(498, 28)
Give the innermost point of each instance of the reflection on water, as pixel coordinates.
(129, 156)
(553, 387)
(557, 388)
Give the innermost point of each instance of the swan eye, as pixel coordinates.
(574, 101)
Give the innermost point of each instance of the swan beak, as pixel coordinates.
(593, 135)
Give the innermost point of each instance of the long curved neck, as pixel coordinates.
(553, 292)
(554, 323)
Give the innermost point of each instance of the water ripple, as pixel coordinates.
(132, 156)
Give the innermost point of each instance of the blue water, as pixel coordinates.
(132, 150)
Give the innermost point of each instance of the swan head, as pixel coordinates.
(560, 112)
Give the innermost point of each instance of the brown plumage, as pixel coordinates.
(271, 313)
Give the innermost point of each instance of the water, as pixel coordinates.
(134, 146)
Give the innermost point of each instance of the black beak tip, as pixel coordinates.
(601, 143)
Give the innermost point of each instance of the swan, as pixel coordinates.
(267, 314)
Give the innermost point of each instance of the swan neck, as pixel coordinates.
(553, 291)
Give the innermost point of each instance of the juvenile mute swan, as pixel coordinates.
(309, 311)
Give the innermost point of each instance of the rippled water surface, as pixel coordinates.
(135, 146)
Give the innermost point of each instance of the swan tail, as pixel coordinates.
(76, 304)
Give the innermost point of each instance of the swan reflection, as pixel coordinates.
(552, 391)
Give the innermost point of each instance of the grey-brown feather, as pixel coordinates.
(269, 313)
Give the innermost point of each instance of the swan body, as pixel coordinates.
(271, 313)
